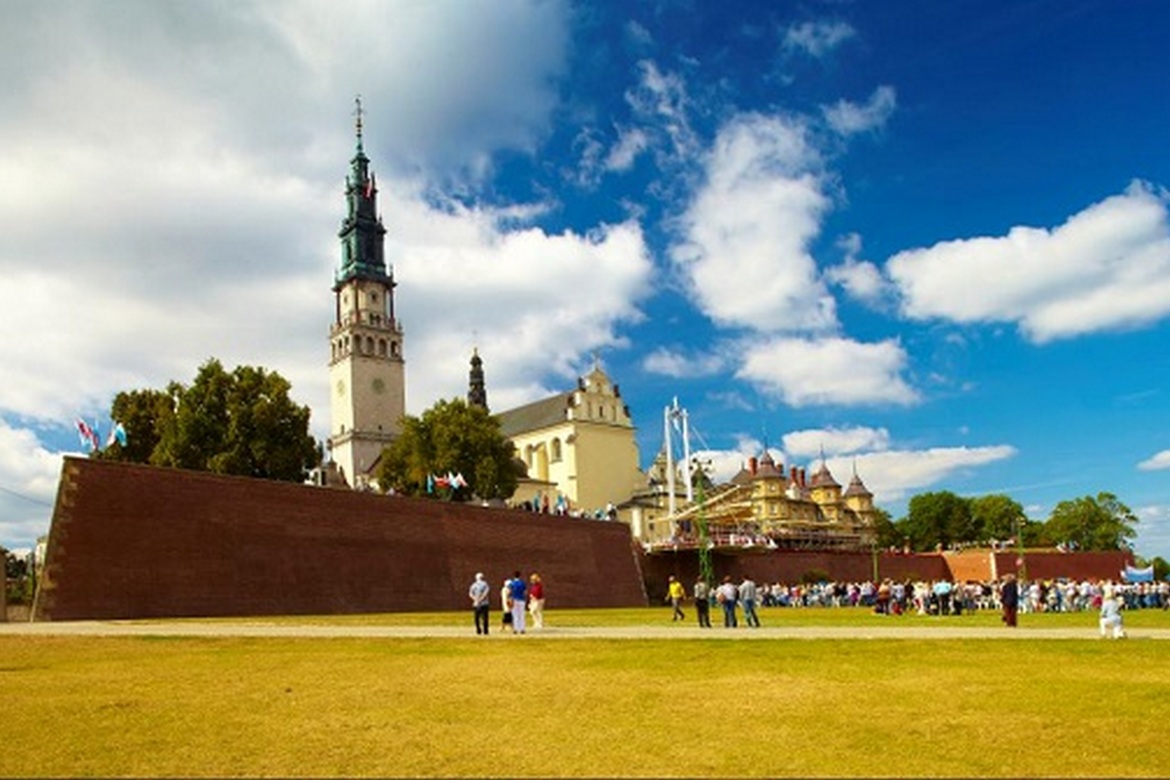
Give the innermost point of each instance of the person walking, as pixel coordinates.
(506, 603)
(536, 600)
(748, 595)
(702, 594)
(479, 593)
(726, 595)
(518, 592)
(675, 593)
(1009, 599)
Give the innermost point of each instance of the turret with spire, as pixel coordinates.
(476, 389)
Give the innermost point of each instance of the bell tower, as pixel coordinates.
(367, 372)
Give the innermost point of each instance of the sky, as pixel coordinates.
(925, 241)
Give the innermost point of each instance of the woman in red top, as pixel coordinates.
(536, 600)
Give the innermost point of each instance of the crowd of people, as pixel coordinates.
(520, 599)
(937, 597)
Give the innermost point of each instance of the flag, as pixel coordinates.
(87, 435)
(430, 484)
(1132, 574)
(117, 434)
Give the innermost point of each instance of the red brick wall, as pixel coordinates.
(131, 541)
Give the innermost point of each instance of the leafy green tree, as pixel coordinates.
(451, 437)
(934, 519)
(242, 423)
(996, 517)
(144, 414)
(1100, 523)
(888, 534)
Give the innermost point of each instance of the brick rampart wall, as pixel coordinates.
(130, 541)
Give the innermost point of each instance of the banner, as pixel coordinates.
(1132, 574)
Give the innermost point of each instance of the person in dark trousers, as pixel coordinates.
(479, 595)
(702, 594)
(1009, 599)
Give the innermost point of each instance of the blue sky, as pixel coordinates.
(928, 239)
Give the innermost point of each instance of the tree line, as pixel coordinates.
(944, 519)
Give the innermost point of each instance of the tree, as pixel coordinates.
(241, 423)
(1088, 523)
(451, 437)
(935, 519)
(144, 415)
(996, 517)
(888, 534)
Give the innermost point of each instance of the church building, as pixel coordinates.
(367, 369)
(578, 445)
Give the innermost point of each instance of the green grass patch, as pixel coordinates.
(512, 706)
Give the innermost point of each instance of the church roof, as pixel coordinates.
(823, 478)
(544, 413)
(857, 488)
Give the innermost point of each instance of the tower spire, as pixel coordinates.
(358, 112)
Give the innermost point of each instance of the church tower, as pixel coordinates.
(367, 373)
(476, 386)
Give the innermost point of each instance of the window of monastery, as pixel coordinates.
(394, 348)
(555, 450)
(381, 347)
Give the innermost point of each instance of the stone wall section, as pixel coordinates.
(132, 541)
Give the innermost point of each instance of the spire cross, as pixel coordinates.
(358, 112)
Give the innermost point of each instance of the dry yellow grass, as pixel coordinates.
(517, 707)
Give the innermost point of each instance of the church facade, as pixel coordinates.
(578, 445)
(367, 366)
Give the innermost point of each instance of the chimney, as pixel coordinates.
(793, 477)
(803, 476)
(753, 465)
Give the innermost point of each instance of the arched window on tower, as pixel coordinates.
(381, 347)
(555, 451)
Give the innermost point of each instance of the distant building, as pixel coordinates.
(367, 370)
(764, 506)
(579, 444)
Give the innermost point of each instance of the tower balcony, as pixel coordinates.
(366, 319)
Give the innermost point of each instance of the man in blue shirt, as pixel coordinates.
(518, 595)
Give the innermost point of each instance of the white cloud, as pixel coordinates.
(817, 38)
(804, 372)
(861, 279)
(456, 268)
(846, 118)
(1156, 462)
(1107, 267)
(894, 474)
(835, 441)
(660, 101)
(745, 252)
(890, 474)
(674, 363)
(28, 486)
(629, 145)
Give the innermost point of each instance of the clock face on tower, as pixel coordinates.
(379, 386)
(341, 387)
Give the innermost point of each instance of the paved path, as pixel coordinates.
(259, 628)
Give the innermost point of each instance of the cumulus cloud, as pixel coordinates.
(745, 251)
(835, 441)
(678, 364)
(1156, 462)
(893, 474)
(847, 118)
(28, 473)
(818, 38)
(861, 279)
(804, 372)
(1105, 268)
(890, 474)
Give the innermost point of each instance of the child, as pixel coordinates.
(1111, 615)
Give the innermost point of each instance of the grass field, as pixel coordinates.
(519, 706)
